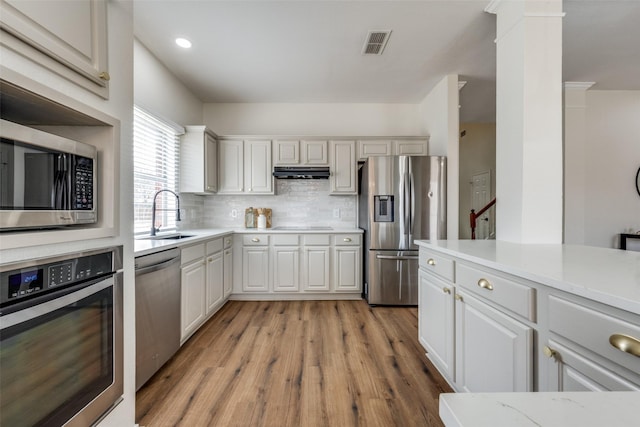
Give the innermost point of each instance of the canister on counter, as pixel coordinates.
(250, 218)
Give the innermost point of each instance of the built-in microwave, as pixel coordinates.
(45, 180)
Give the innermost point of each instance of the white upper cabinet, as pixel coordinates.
(293, 152)
(42, 31)
(342, 158)
(408, 146)
(198, 161)
(245, 167)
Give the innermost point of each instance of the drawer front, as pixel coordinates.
(285, 239)
(594, 330)
(255, 240)
(519, 299)
(228, 242)
(347, 239)
(316, 240)
(191, 253)
(214, 246)
(438, 264)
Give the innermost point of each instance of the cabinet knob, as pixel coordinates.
(446, 290)
(346, 239)
(431, 261)
(104, 76)
(549, 352)
(459, 298)
(209, 260)
(485, 284)
(625, 343)
(255, 239)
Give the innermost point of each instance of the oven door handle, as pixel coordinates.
(51, 305)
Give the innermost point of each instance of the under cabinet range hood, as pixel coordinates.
(301, 172)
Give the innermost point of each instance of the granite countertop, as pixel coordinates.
(145, 246)
(609, 276)
(566, 409)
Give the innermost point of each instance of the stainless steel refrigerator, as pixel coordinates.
(402, 198)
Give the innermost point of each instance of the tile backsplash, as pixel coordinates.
(296, 202)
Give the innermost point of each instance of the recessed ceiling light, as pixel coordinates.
(183, 43)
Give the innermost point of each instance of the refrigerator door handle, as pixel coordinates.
(412, 211)
(397, 257)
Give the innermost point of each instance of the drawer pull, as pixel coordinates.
(458, 298)
(346, 239)
(625, 343)
(431, 261)
(485, 284)
(255, 239)
(446, 291)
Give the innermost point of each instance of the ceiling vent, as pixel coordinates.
(375, 43)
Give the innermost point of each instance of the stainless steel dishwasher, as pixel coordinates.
(157, 311)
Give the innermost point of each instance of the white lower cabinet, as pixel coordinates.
(215, 281)
(255, 263)
(494, 353)
(228, 267)
(347, 262)
(316, 267)
(286, 271)
(193, 307)
(436, 321)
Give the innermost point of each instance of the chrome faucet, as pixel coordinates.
(154, 209)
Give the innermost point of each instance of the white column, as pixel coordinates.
(575, 183)
(528, 120)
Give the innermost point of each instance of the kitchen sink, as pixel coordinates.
(169, 237)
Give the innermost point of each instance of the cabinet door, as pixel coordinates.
(228, 272)
(78, 51)
(211, 164)
(193, 298)
(375, 147)
(258, 176)
(494, 353)
(436, 320)
(215, 281)
(286, 152)
(314, 152)
(231, 166)
(410, 147)
(286, 273)
(316, 269)
(347, 262)
(568, 370)
(255, 269)
(343, 167)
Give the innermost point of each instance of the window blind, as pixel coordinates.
(155, 167)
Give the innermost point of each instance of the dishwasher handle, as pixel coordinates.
(156, 267)
(396, 257)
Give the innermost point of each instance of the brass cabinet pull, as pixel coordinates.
(431, 261)
(458, 298)
(625, 343)
(255, 239)
(446, 290)
(346, 239)
(485, 284)
(549, 352)
(104, 76)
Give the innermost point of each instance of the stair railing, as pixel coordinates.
(473, 217)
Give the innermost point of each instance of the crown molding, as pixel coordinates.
(461, 84)
(578, 85)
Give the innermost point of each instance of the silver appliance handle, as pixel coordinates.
(397, 257)
(156, 267)
(412, 211)
(55, 304)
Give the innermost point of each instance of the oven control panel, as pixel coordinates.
(28, 281)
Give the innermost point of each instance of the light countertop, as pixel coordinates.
(567, 409)
(609, 276)
(143, 246)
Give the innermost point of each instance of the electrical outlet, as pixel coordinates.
(336, 212)
(234, 213)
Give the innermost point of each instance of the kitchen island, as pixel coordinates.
(531, 318)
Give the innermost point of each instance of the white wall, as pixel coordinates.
(439, 115)
(160, 92)
(605, 194)
(313, 119)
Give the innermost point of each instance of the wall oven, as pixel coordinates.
(45, 180)
(61, 345)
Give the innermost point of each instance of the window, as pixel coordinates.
(155, 167)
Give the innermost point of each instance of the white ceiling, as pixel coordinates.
(306, 51)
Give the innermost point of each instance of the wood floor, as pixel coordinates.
(297, 363)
